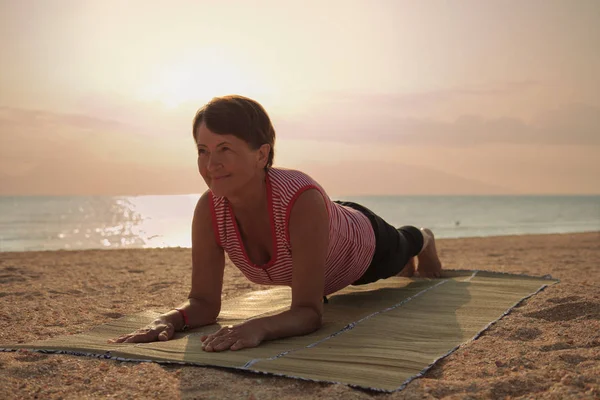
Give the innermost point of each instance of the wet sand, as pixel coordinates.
(547, 348)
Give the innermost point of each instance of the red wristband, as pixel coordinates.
(185, 318)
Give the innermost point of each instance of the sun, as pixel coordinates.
(204, 75)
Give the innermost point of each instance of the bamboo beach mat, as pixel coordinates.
(378, 336)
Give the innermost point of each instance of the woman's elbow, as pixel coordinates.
(307, 319)
(315, 320)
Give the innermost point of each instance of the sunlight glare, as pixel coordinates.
(202, 76)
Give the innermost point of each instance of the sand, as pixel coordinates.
(547, 348)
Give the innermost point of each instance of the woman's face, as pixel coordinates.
(226, 162)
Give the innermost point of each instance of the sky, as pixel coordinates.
(368, 97)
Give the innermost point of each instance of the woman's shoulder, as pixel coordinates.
(288, 175)
(288, 182)
(208, 202)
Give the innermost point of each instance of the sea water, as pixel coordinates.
(98, 222)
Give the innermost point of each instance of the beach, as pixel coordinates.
(546, 348)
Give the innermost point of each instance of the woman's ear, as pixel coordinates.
(263, 155)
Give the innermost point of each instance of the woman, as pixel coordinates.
(278, 227)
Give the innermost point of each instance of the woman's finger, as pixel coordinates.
(221, 345)
(170, 330)
(163, 336)
(136, 339)
(239, 344)
(142, 337)
(226, 330)
(207, 340)
(211, 341)
(120, 339)
(145, 334)
(166, 333)
(218, 343)
(220, 333)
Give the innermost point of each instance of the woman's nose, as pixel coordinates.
(213, 162)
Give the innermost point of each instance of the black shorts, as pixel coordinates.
(393, 247)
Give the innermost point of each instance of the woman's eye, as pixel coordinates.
(201, 151)
(225, 148)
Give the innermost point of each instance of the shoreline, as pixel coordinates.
(547, 347)
(189, 248)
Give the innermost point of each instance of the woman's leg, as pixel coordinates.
(398, 249)
(427, 263)
(410, 268)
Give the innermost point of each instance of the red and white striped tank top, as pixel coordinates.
(351, 236)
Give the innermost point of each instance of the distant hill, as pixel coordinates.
(102, 179)
(395, 179)
(106, 178)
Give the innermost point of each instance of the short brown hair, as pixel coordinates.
(241, 117)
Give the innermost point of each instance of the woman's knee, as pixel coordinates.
(416, 239)
(427, 237)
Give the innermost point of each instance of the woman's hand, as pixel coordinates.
(158, 330)
(248, 334)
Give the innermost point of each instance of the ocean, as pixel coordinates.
(103, 222)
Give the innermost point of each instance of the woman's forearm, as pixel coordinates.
(198, 312)
(294, 322)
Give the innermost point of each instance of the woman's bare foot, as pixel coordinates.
(430, 265)
(409, 269)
